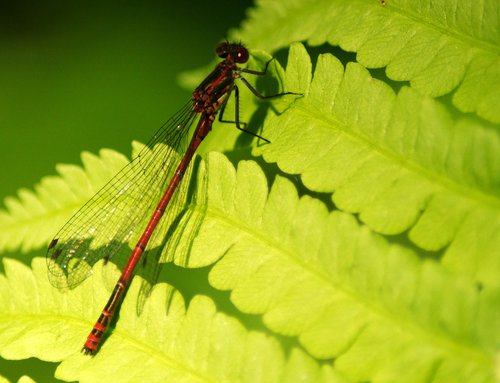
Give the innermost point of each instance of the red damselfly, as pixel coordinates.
(145, 187)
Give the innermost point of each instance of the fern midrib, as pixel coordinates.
(444, 182)
(431, 336)
(22, 318)
(452, 33)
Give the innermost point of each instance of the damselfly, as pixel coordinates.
(117, 211)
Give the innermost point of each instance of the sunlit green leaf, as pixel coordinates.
(169, 341)
(400, 161)
(345, 292)
(438, 46)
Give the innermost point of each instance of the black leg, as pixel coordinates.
(237, 116)
(255, 92)
(257, 72)
(261, 96)
(261, 73)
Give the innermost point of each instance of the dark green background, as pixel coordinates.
(80, 76)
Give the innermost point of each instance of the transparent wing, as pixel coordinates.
(117, 214)
(173, 238)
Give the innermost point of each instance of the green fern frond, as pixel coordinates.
(342, 290)
(31, 220)
(400, 161)
(22, 379)
(168, 342)
(439, 46)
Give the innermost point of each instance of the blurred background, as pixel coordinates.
(81, 75)
(78, 75)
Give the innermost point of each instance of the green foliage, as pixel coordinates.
(397, 282)
(400, 161)
(342, 290)
(22, 379)
(32, 219)
(439, 46)
(173, 343)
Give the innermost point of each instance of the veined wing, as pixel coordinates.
(116, 215)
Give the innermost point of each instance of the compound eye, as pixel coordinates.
(222, 50)
(241, 55)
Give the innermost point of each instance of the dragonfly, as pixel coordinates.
(136, 199)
